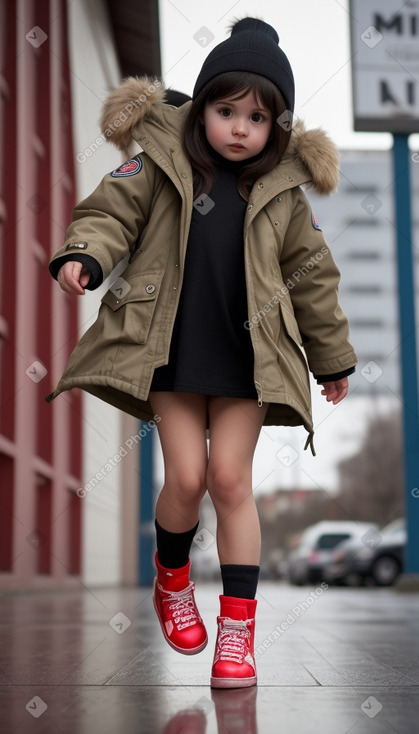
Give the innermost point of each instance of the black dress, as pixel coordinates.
(211, 351)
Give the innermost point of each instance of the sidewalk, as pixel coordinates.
(330, 661)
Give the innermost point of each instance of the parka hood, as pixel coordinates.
(142, 100)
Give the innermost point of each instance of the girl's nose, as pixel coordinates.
(240, 127)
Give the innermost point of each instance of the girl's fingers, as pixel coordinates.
(335, 391)
(84, 277)
(69, 278)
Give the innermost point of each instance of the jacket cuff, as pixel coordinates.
(336, 376)
(89, 262)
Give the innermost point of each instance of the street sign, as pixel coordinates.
(385, 65)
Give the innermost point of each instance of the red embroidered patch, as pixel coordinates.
(315, 222)
(130, 168)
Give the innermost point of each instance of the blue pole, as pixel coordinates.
(146, 527)
(408, 354)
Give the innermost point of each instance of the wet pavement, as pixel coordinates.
(329, 661)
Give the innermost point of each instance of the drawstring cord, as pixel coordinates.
(310, 442)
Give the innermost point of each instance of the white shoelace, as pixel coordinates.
(233, 641)
(182, 605)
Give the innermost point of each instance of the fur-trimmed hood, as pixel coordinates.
(139, 101)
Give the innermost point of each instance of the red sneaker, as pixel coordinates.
(176, 609)
(234, 664)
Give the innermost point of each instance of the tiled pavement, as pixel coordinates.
(330, 661)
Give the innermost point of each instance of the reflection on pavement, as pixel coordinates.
(235, 713)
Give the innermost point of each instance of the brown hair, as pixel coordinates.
(195, 143)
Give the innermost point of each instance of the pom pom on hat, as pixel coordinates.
(253, 47)
(254, 24)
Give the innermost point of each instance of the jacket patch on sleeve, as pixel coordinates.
(76, 246)
(315, 222)
(130, 168)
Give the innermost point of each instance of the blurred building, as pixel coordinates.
(57, 63)
(359, 224)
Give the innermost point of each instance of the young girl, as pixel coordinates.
(229, 277)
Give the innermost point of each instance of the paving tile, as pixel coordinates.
(334, 661)
(198, 710)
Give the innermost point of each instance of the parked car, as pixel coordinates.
(379, 558)
(307, 562)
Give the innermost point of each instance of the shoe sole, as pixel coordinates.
(184, 651)
(233, 682)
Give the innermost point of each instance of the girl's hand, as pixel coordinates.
(335, 391)
(73, 277)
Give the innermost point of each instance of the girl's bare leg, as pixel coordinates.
(182, 432)
(234, 430)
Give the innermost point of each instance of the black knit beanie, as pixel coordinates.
(252, 46)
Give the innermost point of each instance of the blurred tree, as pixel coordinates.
(371, 481)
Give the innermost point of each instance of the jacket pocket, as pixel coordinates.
(291, 358)
(130, 307)
(290, 324)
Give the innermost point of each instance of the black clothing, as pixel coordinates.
(336, 376)
(211, 351)
(173, 548)
(240, 581)
(96, 274)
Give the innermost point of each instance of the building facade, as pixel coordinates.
(359, 223)
(69, 512)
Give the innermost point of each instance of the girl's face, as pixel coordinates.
(237, 128)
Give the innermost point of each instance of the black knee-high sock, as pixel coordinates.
(173, 548)
(240, 581)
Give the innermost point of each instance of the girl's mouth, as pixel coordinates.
(236, 146)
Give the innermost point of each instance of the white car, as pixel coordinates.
(380, 557)
(307, 562)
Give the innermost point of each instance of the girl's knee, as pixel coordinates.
(188, 486)
(226, 485)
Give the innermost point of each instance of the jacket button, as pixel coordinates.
(150, 288)
(290, 178)
(184, 175)
(260, 186)
(250, 207)
(278, 198)
(276, 223)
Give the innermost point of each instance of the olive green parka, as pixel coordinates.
(295, 321)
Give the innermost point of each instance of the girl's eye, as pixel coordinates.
(225, 112)
(257, 117)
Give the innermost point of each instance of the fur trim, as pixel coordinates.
(319, 155)
(128, 104)
(138, 98)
